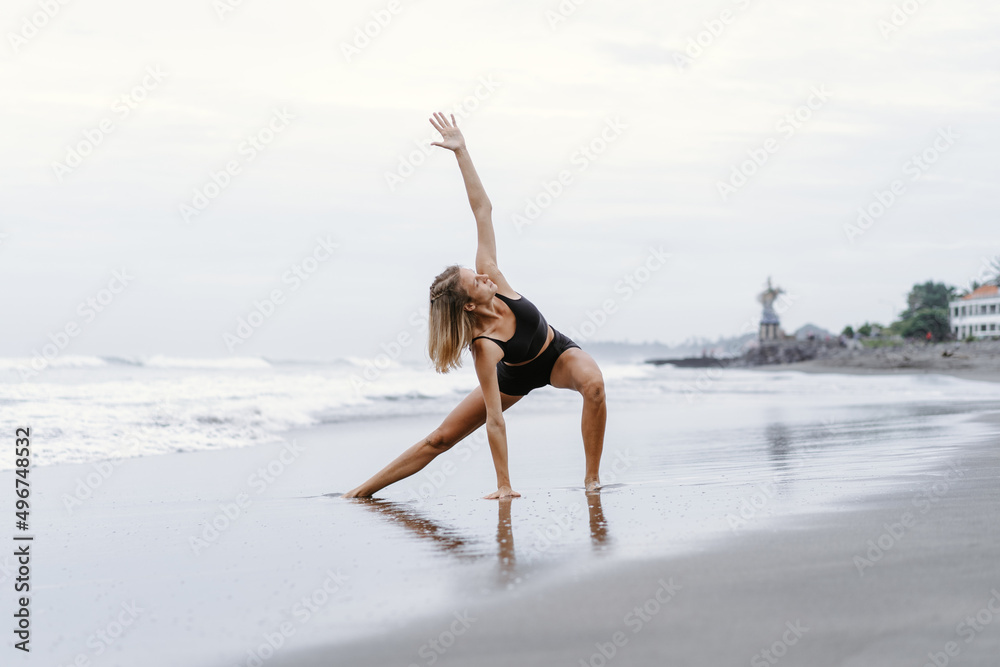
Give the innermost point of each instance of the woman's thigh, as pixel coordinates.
(573, 369)
(469, 415)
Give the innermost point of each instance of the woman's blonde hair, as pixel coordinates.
(451, 325)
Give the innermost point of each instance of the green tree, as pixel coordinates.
(934, 320)
(927, 295)
(848, 331)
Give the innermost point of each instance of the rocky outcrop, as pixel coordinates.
(954, 355)
(787, 352)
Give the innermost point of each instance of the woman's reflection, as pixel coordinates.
(451, 542)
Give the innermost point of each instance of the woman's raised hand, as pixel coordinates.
(451, 136)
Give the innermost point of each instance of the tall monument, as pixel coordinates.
(769, 323)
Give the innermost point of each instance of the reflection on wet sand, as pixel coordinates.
(599, 537)
(402, 514)
(451, 542)
(779, 443)
(505, 543)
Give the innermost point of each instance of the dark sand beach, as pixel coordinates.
(906, 578)
(735, 510)
(824, 366)
(976, 360)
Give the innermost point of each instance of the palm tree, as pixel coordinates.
(973, 286)
(990, 275)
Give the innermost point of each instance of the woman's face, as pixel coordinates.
(478, 286)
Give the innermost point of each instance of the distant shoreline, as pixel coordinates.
(824, 366)
(977, 360)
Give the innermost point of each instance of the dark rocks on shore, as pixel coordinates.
(787, 352)
(777, 352)
(950, 355)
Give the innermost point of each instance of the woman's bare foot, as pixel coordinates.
(592, 485)
(356, 493)
(504, 492)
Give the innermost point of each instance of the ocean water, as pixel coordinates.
(692, 457)
(89, 408)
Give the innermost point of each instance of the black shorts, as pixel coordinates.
(519, 380)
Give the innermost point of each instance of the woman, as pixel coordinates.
(513, 348)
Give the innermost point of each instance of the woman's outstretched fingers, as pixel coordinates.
(451, 136)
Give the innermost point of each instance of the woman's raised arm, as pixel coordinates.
(482, 209)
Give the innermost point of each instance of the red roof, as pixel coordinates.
(982, 292)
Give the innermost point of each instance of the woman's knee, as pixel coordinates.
(439, 440)
(443, 438)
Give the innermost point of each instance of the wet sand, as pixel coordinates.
(905, 578)
(729, 511)
(825, 366)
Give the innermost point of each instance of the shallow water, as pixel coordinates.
(678, 476)
(682, 470)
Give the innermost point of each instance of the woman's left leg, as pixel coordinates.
(577, 370)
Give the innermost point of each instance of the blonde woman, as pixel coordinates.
(513, 347)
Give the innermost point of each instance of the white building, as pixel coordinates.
(976, 314)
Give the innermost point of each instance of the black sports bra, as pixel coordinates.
(530, 332)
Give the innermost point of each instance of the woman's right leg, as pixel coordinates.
(467, 416)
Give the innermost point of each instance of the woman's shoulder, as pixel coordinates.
(516, 297)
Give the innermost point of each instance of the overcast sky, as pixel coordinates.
(117, 112)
